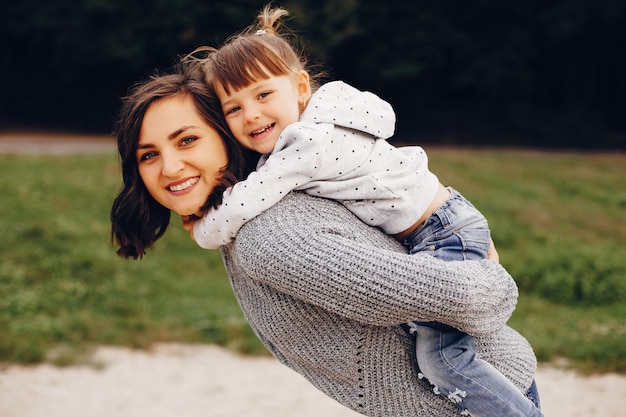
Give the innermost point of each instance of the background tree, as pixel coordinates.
(523, 72)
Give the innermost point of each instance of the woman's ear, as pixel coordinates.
(304, 88)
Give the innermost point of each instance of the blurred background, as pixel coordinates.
(528, 96)
(544, 73)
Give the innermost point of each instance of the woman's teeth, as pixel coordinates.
(184, 185)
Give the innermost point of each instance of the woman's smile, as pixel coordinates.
(183, 185)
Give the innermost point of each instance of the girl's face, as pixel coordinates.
(258, 113)
(179, 155)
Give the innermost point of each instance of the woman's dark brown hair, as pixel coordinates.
(137, 219)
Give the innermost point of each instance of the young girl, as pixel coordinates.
(332, 144)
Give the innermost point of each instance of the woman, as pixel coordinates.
(325, 293)
(137, 218)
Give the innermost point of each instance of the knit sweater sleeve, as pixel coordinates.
(327, 257)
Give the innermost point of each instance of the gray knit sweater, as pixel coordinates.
(326, 294)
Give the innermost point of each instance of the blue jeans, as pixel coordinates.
(446, 356)
(456, 231)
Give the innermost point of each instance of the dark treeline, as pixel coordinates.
(518, 72)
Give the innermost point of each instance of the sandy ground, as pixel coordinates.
(176, 380)
(206, 381)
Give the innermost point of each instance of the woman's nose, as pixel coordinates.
(172, 165)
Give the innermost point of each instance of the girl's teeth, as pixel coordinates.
(184, 185)
(258, 132)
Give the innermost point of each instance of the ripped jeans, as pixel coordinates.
(446, 356)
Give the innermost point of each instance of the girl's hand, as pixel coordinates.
(188, 222)
(492, 253)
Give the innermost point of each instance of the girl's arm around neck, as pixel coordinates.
(294, 163)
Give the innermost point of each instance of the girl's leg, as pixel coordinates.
(533, 394)
(447, 357)
(456, 231)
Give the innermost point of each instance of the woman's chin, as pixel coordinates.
(184, 212)
(187, 209)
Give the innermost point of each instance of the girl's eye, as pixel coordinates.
(232, 111)
(264, 94)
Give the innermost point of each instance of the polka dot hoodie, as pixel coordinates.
(338, 150)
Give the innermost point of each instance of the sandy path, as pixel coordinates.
(207, 381)
(55, 143)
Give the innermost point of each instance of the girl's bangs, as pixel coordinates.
(239, 67)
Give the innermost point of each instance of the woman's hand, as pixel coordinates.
(492, 253)
(189, 221)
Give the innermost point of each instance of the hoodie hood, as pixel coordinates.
(342, 105)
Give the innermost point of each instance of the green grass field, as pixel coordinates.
(558, 220)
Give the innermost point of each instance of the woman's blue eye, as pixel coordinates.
(187, 141)
(148, 155)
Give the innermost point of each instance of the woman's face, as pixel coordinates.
(179, 155)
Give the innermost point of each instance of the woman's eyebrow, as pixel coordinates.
(171, 136)
(178, 131)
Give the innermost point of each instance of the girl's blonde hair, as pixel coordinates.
(258, 52)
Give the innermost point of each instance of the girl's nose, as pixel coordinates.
(252, 113)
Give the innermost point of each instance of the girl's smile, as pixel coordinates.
(259, 133)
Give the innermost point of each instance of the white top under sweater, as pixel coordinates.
(337, 150)
(326, 294)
